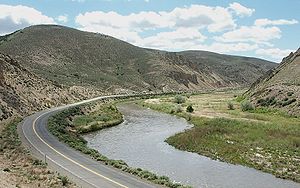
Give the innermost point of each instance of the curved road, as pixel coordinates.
(79, 167)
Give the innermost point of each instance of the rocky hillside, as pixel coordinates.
(22, 92)
(75, 58)
(280, 87)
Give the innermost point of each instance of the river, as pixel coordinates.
(139, 141)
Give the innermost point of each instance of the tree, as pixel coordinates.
(190, 108)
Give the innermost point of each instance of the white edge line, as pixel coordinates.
(42, 153)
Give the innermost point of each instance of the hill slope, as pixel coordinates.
(71, 57)
(22, 92)
(280, 87)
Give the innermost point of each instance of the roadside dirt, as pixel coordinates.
(19, 169)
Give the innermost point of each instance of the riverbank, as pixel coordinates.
(263, 139)
(69, 124)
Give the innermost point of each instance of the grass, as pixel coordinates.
(9, 136)
(105, 116)
(24, 169)
(60, 123)
(262, 138)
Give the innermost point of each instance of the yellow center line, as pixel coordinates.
(82, 166)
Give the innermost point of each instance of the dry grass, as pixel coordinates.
(18, 168)
(263, 138)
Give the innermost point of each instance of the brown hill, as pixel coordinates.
(22, 92)
(280, 87)
(71, 57)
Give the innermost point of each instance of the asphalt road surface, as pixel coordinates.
(78, 167)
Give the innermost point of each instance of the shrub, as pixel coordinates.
(94, 127)
(240, 98)
(267, 102)
(296, 142)
(37, 162)
(190, 108)
(188, 95)
(288, 102)
(6, 170)
(230, 106)
(246, 106)
(179, 99)
(64, 180)
(290, 93)
(176, 109)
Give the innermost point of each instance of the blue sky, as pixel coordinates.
(266, 29)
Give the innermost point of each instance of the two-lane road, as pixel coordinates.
(80, 168)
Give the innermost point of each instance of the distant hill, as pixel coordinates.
(75, 58)
(280, 87)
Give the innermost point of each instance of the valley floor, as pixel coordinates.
(264, 139)
(261, 138)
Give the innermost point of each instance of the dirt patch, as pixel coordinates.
(153, 101)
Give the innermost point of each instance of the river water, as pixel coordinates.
(139, 141)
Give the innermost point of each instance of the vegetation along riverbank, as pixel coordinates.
(229, 128)
(69, 124)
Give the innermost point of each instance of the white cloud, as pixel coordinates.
(230, 47)
(254, 34)
(80, 1)
(140, 21)
(181, 29)
(186, 21)
(62, 18)
(182, 38)
(120, 33)
(264, 22)
(200, 16)
(240, 10)
(195, 16)
(17, 17)
(275, 53)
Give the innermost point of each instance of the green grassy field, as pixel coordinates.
(265, 139)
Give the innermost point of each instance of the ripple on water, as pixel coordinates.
(139, 141)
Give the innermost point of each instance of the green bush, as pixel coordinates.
(94, 126)
(190, 108)
(288, 102)
(247, 106)
(240, 98)
(176, 109)
(179, 99)
(230, 106)
(267, 102)
(64, 180)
